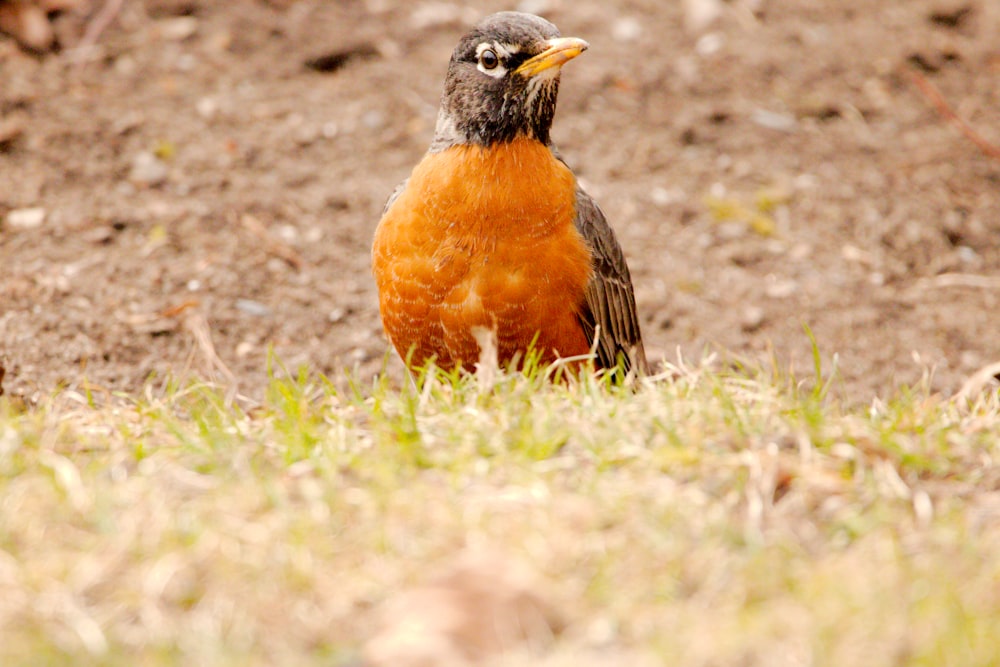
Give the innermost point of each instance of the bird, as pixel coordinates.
(491, 243)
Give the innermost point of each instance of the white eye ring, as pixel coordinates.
(489, 59)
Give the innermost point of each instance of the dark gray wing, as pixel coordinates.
(608, 312)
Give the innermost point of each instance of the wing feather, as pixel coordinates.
(608, 315)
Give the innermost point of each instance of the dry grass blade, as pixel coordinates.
(978, 381)
(970, 280)
(95, 28)
(943, 108)
(197, 325)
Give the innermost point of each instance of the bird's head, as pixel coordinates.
(503, 80)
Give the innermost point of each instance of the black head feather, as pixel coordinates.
(486, 100)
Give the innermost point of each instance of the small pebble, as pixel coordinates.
(253, 308)
(751, 318)
(967, 255)
(99, 235)
(709, 44)
(330, 130)
(781, 289)
(337, 315)
(539, 7)
(147, 169)
(26, 218)
(288, 233)
(626, 29)
(664, 197)
(699, 14)
(780, 122)
(206, 107)
(373, 119)
(178, 29)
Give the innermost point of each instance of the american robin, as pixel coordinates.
(491, 237)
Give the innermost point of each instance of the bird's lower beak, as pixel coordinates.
(560, 51)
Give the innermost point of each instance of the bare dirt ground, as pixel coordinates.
(777, 166)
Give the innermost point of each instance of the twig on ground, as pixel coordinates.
(95, 27)
(960, 280)
(943, 108)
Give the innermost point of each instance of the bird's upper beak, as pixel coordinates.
(559, 51)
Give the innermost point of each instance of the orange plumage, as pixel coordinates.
(483, 237)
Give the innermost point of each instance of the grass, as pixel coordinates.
(711, 518)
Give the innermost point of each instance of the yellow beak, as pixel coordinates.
(560, 51)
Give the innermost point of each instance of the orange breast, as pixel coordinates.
(483, 237)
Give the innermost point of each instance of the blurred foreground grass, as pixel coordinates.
(709, 518)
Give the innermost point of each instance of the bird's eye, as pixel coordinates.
(488, 59)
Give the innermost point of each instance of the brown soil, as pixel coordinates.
(776, 168)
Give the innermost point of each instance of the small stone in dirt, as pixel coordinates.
(780, 122)
(699, 14)
(177, 29)
(664, 197)
(99, 235)
(373, 119)
(709, 44)
(539, 7)
(968, 255)
(626, 29)
(781, 289)
(147, 170)
(253, 308)
(26, 218)
(206, 107)
(337, 315)
(751, 318)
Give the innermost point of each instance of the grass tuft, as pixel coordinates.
(701, 517)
